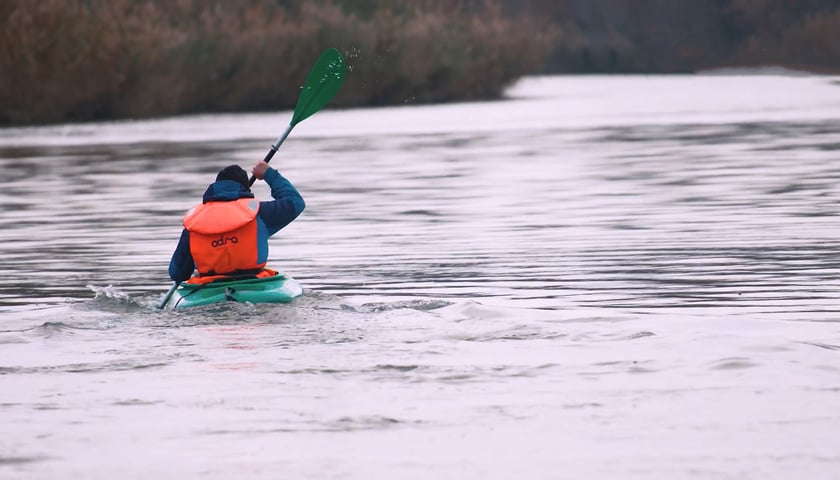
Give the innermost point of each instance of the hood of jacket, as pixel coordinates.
(226, 191)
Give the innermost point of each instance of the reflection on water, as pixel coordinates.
(570, 277)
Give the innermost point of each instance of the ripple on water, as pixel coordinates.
(733, 363)
(365, 422)
(827, 346)
(21, 459)
(93, 367)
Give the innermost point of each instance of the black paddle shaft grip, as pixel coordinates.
(267, 159)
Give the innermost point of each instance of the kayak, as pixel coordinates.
(276, 289)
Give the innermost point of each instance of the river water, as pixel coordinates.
(596, 277)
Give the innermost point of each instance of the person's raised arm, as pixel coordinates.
(287, 203)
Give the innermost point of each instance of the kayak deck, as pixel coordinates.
(277, 289)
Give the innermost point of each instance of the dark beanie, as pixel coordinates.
(235, 173)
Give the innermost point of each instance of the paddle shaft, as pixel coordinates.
(273, 150)
(168, 295)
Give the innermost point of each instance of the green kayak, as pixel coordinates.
(277, 289)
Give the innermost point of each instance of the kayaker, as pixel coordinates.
(227, 234)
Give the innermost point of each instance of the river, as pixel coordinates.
(628, 277)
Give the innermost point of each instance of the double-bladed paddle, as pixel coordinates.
(322, 83)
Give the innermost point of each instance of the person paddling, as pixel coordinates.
(227, 234)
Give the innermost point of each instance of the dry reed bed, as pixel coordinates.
(79, 60)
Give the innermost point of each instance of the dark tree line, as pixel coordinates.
(687, 35)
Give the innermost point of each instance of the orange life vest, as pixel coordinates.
(223, 236)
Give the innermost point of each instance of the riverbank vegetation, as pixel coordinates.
(79, 60)
(74, 60)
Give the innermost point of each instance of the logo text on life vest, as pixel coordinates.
(223, 241)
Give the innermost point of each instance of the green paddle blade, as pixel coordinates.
(321, 85)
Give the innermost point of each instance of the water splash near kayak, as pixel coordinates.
(110, 293)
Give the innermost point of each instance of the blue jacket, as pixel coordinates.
(273, 216)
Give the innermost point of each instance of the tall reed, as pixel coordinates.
(77, 60)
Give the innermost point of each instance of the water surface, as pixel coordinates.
(597, 277)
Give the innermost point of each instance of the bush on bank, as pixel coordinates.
(78, 60)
